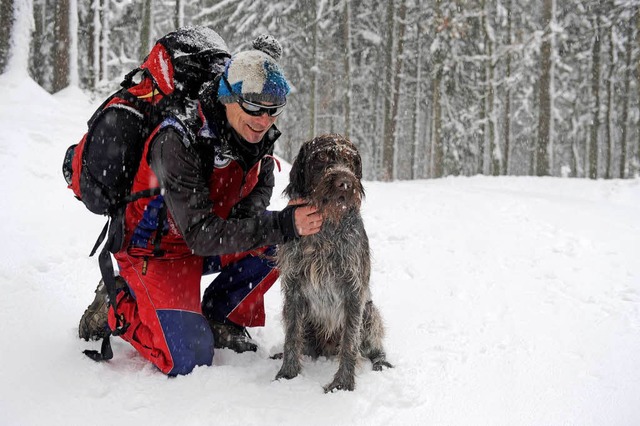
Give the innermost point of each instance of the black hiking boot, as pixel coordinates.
(93, 324)
(232, 337)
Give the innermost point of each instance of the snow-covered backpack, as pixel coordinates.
(100, 169)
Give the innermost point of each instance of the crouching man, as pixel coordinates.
(215, 167)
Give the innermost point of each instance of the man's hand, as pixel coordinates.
(308, 220)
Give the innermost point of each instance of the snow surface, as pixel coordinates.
(508, 301)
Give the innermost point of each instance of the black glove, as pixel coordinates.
(287, 222)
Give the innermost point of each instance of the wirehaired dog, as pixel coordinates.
(325, 277)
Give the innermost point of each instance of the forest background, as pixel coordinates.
(425, 88)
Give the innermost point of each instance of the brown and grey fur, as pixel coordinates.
(325, 277)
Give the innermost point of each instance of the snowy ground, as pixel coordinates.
(508, 301)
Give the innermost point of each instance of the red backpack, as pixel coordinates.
(100, 169)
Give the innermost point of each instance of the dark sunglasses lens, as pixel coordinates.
(274, 112)
(258, 110)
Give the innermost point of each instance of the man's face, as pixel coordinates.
(250, 127)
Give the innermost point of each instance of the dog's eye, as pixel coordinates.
(323, 157)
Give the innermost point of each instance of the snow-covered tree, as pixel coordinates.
(6, 24)
(18, 50)
(425, 89)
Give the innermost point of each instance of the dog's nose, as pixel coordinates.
(343, 184)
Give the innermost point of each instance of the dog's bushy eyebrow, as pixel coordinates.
(339, 149)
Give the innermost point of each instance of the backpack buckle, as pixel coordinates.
(121, 325)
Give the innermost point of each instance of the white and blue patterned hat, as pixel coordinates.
(255, 75)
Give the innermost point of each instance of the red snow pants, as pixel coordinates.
(162, 303)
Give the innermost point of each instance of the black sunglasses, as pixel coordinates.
(256, 109)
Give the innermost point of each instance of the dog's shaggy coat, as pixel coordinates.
(325, 277)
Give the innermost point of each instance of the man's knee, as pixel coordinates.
(189, 340)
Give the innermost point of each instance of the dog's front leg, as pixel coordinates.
(372, 332)
(293, 314)
(344, 379)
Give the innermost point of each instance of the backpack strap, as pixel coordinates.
(147, 193)
(108, 277)
(275, 160)
(162, 216)
(127, 82)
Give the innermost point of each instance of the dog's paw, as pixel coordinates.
(341, 381)
(381, 364)
(287, 373)
(340, 384)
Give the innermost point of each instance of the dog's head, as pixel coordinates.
(327, 173)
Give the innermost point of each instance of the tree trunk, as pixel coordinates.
(595, 93)
(145, 28)
(346, 34)
(393, 66)
(379, 91)
(437, 148)
(638, 82)
(178, 19)
(624, 146)
(315, 70)
(93, 44)
(427, 141)
(61, 49)
(608, 124)
(397, 81)
(545, 117)
(507, 98)
(575, 159)
(416, 108)
(492, 157)
(38, 69)
(387, 133)
(74, 76)
(484, 151)
(6, 24)
(105, 30)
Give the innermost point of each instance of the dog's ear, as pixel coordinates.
(357, 160)
(357, 165)
(296, 184)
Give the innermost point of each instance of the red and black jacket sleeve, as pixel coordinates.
(180, 172)
(257, 201)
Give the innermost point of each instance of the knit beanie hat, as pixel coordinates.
(255, 74)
